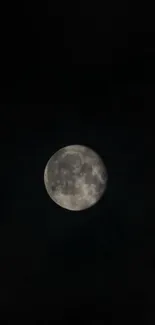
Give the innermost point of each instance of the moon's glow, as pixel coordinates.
(75, 177)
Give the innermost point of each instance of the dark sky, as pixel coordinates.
(81, 75)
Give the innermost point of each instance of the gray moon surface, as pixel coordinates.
(75, 177)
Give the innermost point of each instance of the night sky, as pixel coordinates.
(77, 75)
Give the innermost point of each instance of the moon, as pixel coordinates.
(75, 177)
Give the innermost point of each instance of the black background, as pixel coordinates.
(77, 73)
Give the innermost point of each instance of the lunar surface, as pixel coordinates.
(75, 177)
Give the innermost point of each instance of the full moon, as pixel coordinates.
(75, 177)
